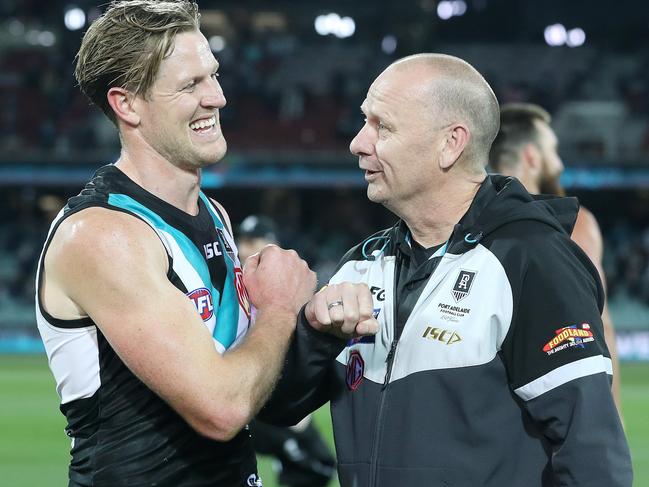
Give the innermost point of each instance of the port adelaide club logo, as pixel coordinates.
(462, 286)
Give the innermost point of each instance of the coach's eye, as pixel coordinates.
(382, 127)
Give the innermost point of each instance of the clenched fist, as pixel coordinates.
(344, 310)
(278, 280)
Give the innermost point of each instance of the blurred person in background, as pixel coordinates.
(141, 301)
(303, 458)
(526, 147)
(490, 366)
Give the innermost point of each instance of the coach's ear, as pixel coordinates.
(456, 139)
(122, 103)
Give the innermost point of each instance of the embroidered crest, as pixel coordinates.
(355, 369)
(463, 284)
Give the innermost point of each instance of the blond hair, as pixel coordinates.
(126, 45)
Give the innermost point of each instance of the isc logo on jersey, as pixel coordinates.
(202, 298)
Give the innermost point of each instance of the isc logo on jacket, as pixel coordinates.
(445, 336)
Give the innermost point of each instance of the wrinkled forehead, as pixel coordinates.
(394, 92)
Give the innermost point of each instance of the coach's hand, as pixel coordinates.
(344, 310)
(278, 280)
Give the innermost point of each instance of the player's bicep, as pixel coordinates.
(116, 272)
(588, 236)
(106, 262)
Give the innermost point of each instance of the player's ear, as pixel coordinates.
(532, 158)
(123, 104)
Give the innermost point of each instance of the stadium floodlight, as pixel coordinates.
(217, 43)
(325, 24)
(576, 37)
(389, 44)
(459, 7)
(46, 38)
(319, 25)
(74, 18)
(331, 22)
(445, 10)
(346, 28)
(16, 27)
(334, 24)
(32, 37)
(555, 35)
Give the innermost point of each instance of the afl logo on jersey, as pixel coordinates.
(242, 292)
(202, 298)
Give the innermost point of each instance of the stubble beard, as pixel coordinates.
(552, 185)
(190, 157)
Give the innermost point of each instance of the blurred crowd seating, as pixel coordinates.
(320, 225)
(284, 94)
(287, 95)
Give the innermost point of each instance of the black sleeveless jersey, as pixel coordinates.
(122, 432)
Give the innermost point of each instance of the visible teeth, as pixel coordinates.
(203, 123)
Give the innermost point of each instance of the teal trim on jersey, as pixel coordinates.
(189, 249)
(224, 334)
(227, 321)
(208, 205)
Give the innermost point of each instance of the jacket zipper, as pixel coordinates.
(378, 429)
(389, 361)
(374, 464)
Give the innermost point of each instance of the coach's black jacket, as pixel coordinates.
(498, 377)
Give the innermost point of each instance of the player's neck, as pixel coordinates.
(527, 180)
(177, 186)
(532, 186)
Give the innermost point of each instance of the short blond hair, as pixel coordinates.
(126, 45)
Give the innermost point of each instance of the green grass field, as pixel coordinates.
(34, 449)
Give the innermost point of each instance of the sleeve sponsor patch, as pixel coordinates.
(569, 337)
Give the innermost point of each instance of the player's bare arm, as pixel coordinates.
(112, 267)
(588, 236)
